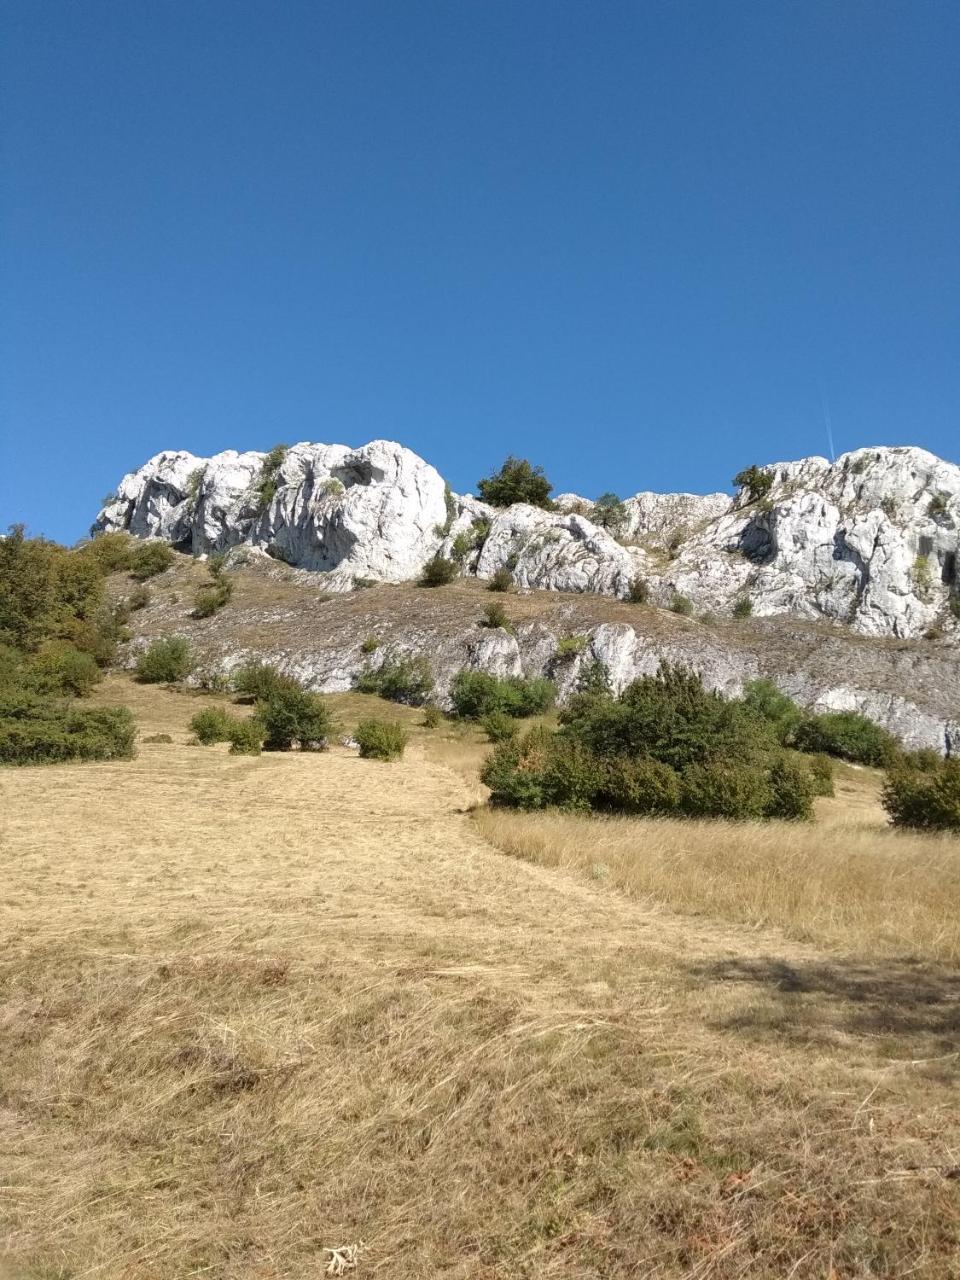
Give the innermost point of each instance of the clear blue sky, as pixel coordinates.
(631, 241)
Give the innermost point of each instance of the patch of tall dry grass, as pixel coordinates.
(857, 886)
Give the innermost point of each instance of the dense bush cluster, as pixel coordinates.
(476, 694)
(287, 716)
(56, 633)
(924, 793)
(665, 746)
(398, 679)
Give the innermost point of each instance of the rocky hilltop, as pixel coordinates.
(870, 540)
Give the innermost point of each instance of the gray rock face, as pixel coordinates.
(870, 540)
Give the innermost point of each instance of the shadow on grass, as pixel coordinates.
(913, 1005)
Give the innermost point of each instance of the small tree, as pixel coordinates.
(609, 512)
(517, 481)
(380, 739)
(754, 481)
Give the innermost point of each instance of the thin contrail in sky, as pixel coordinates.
(827, 422)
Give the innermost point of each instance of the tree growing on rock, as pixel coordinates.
(517, 481)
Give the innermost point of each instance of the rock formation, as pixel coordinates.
(870, 540)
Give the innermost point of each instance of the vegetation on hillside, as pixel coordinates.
(56, 634)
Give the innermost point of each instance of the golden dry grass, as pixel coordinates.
(848, 880)
(253, 1009)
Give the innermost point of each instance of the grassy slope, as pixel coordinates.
(253, 1009)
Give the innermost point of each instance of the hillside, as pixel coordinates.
(282, 614)
(870, 540)
(257, 1010)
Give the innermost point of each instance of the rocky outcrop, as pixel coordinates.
(870, 540)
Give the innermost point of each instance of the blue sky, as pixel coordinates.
(636, 242)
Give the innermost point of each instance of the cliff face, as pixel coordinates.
(870, 540)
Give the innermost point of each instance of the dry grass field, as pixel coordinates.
(255, 1010)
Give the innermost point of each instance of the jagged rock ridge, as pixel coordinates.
(870, 540)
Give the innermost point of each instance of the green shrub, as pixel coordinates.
(150, 558)
(476, 693)
(432, 717)
(925, 799)
(821, 775)
(255, 681)
(513, 772)
(498, 726)
(138, 598)
(641, 786)
(638, 591)
(954, 606)
(380, 739)
(939, 505)
(681, 605)
(331, 487)
(212, 724)
(756, 482)
(848, 735)
(111, 551)
(502, 580)
(609, 512)
(461, 547)
(516, 481)
(743, 608)
(570, 647)
(370, 645)
(791, 790)
(209, 600)
(402, 679)
(290, 716)
(495, 615)
(37, 730)
(166, 661)
(765, 700)
(265, 489)
(438, 572)
(245, 737)
(725, 789)
(362, 584)
(61, 668)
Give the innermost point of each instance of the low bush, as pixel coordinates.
(157, 738)
(150, 558)
(438, 572)
(398, 679)
(642, 786)
(291, 717)
(245, 737)
(725, 789)
(927, 799)
(380, 739)
(477, 693)
(792, 789)
(743, 608)
(111, 551)
(848, 735)
(638, 591)
(609, 512)
(212, 724)
(821, 775)
(255, 681)
(432, 717)
(570, 647)
(502, 580)
(211, 598)
(37, 730)
(780, 711)
(60, 668)
(682, 605)
(138, 598)
(166, 661)
(498, 726)
(495, 615)
(370, 645)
